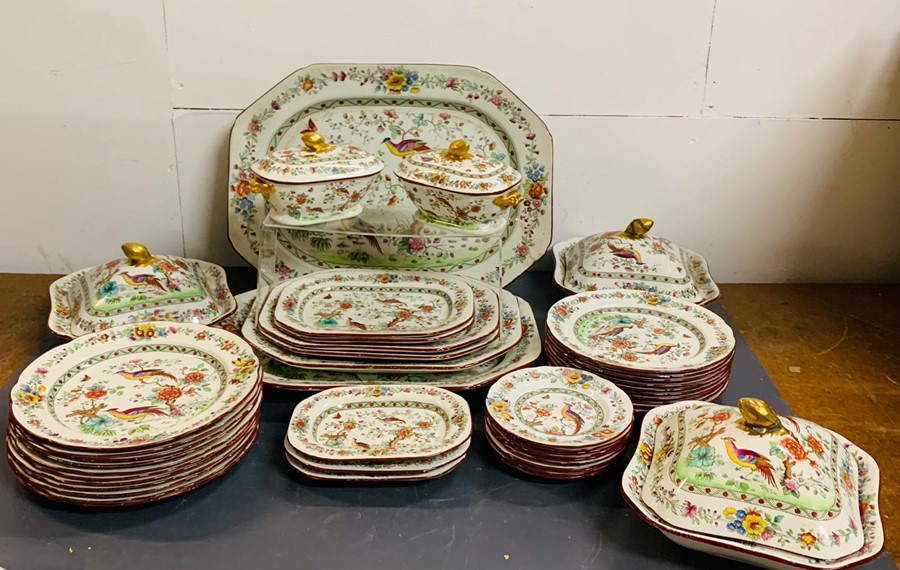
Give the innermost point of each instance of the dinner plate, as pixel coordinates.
(382, 108)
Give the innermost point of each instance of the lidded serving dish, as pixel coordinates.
(315, 183)
(458, 188)
(142, 287)
(633, 259)
(748, 484)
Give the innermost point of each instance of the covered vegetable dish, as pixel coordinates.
(745, 483)
(142, 287)
(459, 188)
(633, 259)
(316, 182)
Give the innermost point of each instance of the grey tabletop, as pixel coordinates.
(263, 515)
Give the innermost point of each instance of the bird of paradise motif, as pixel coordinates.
(573, 416)
(356, 324)
(614, 330)
(660, 349)
(405, 147)
(135, 413)
(146, 374)
(361, 445)
(626, 253)
(394, 419)
(749, 459)
(142, 280)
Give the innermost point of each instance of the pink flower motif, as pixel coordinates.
(497, 100)
(530, 136)
(452, 83)
(790, 485)
(346, 115)
(689, 510)
(275, 105)
(379, 128)
(392, 114)
(254, 127)
(523, 250)
(338, 76)
(41, 371)
(444, 116)
(245, 175)
(767, 534)
(416, 244)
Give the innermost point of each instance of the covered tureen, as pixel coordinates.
(141, 287)
(633, 259)
(459, 188)
(316, 182)
(745, 483)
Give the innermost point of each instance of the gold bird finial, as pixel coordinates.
(638, 228)
(759, 418)
(138, 255)
(314, 142)
(457, 151)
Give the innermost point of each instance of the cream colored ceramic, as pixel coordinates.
(744, 483)
(140, 288)
(316, 182)
(633, 259)
(459, 188)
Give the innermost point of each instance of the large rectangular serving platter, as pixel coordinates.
(376, 107)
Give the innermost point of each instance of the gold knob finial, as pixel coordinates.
(760, 418)
(458, 150)
(638, 228)
(314, 142)
(138, 255)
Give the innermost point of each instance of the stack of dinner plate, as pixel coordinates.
(134, 414)
(379, 433)
(658, 349)
(557, 423)
(359, 320)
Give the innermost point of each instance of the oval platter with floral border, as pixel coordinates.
(393, 111)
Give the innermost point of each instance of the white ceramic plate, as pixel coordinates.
(373, 477)
(379, 108)
(399, 467)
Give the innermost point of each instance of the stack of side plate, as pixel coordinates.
(379, 433)
(376, 322)
(557, 423)
(134, 414)
(658, 349)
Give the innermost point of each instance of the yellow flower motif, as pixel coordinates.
(573, 377)
(30, 399)
(506, 416)
(396, 82)
(376, 392)
(585, 386)
(653, 300)
(414, 90)
(754, 524)
(145, 331)
(499, 406)
(729, 511)
(243, 367)
(42, 388)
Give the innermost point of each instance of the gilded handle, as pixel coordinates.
(260, 186)
(510, 199)
(759, 417)
(638, 228)
(314, 142)
(138, 255)
(457, 151)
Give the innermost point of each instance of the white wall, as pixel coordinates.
(764, 134)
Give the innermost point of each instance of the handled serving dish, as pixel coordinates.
(140, 288)
(747, 484)
(633, 259)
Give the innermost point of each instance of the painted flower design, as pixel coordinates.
(703, 457)
(28, 396)
(754, 524)
(95, 394)
(109, 289)
(808, 539)
(145, 331)
(194, 377)
(98, 423)
(815, 445)
(794, 448)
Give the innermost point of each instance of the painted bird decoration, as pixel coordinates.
(143, 280)
(405, 147)
(135, 413)
(660, 349)
(626, 253)
(361, 445)
(569, 414)
(749, 459)
(356, 324)
(145, 374)
(358, 225)
(612, 331)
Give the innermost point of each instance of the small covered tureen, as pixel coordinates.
(458, 188)
(633, 259)
(142, 287)
(315, 183)
(746, 483)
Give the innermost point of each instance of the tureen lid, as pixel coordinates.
(748, 475)
(316, 161)
(630, 257)
(140, 287)
(458, 170)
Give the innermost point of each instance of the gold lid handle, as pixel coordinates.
(457, 151)
(638, 228)
(138, 255)
(760, 418)
(314, 142)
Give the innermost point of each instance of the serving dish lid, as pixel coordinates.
(316, 161)
(747, 475)
(458, 170)
(140, 287)
(633, 259)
